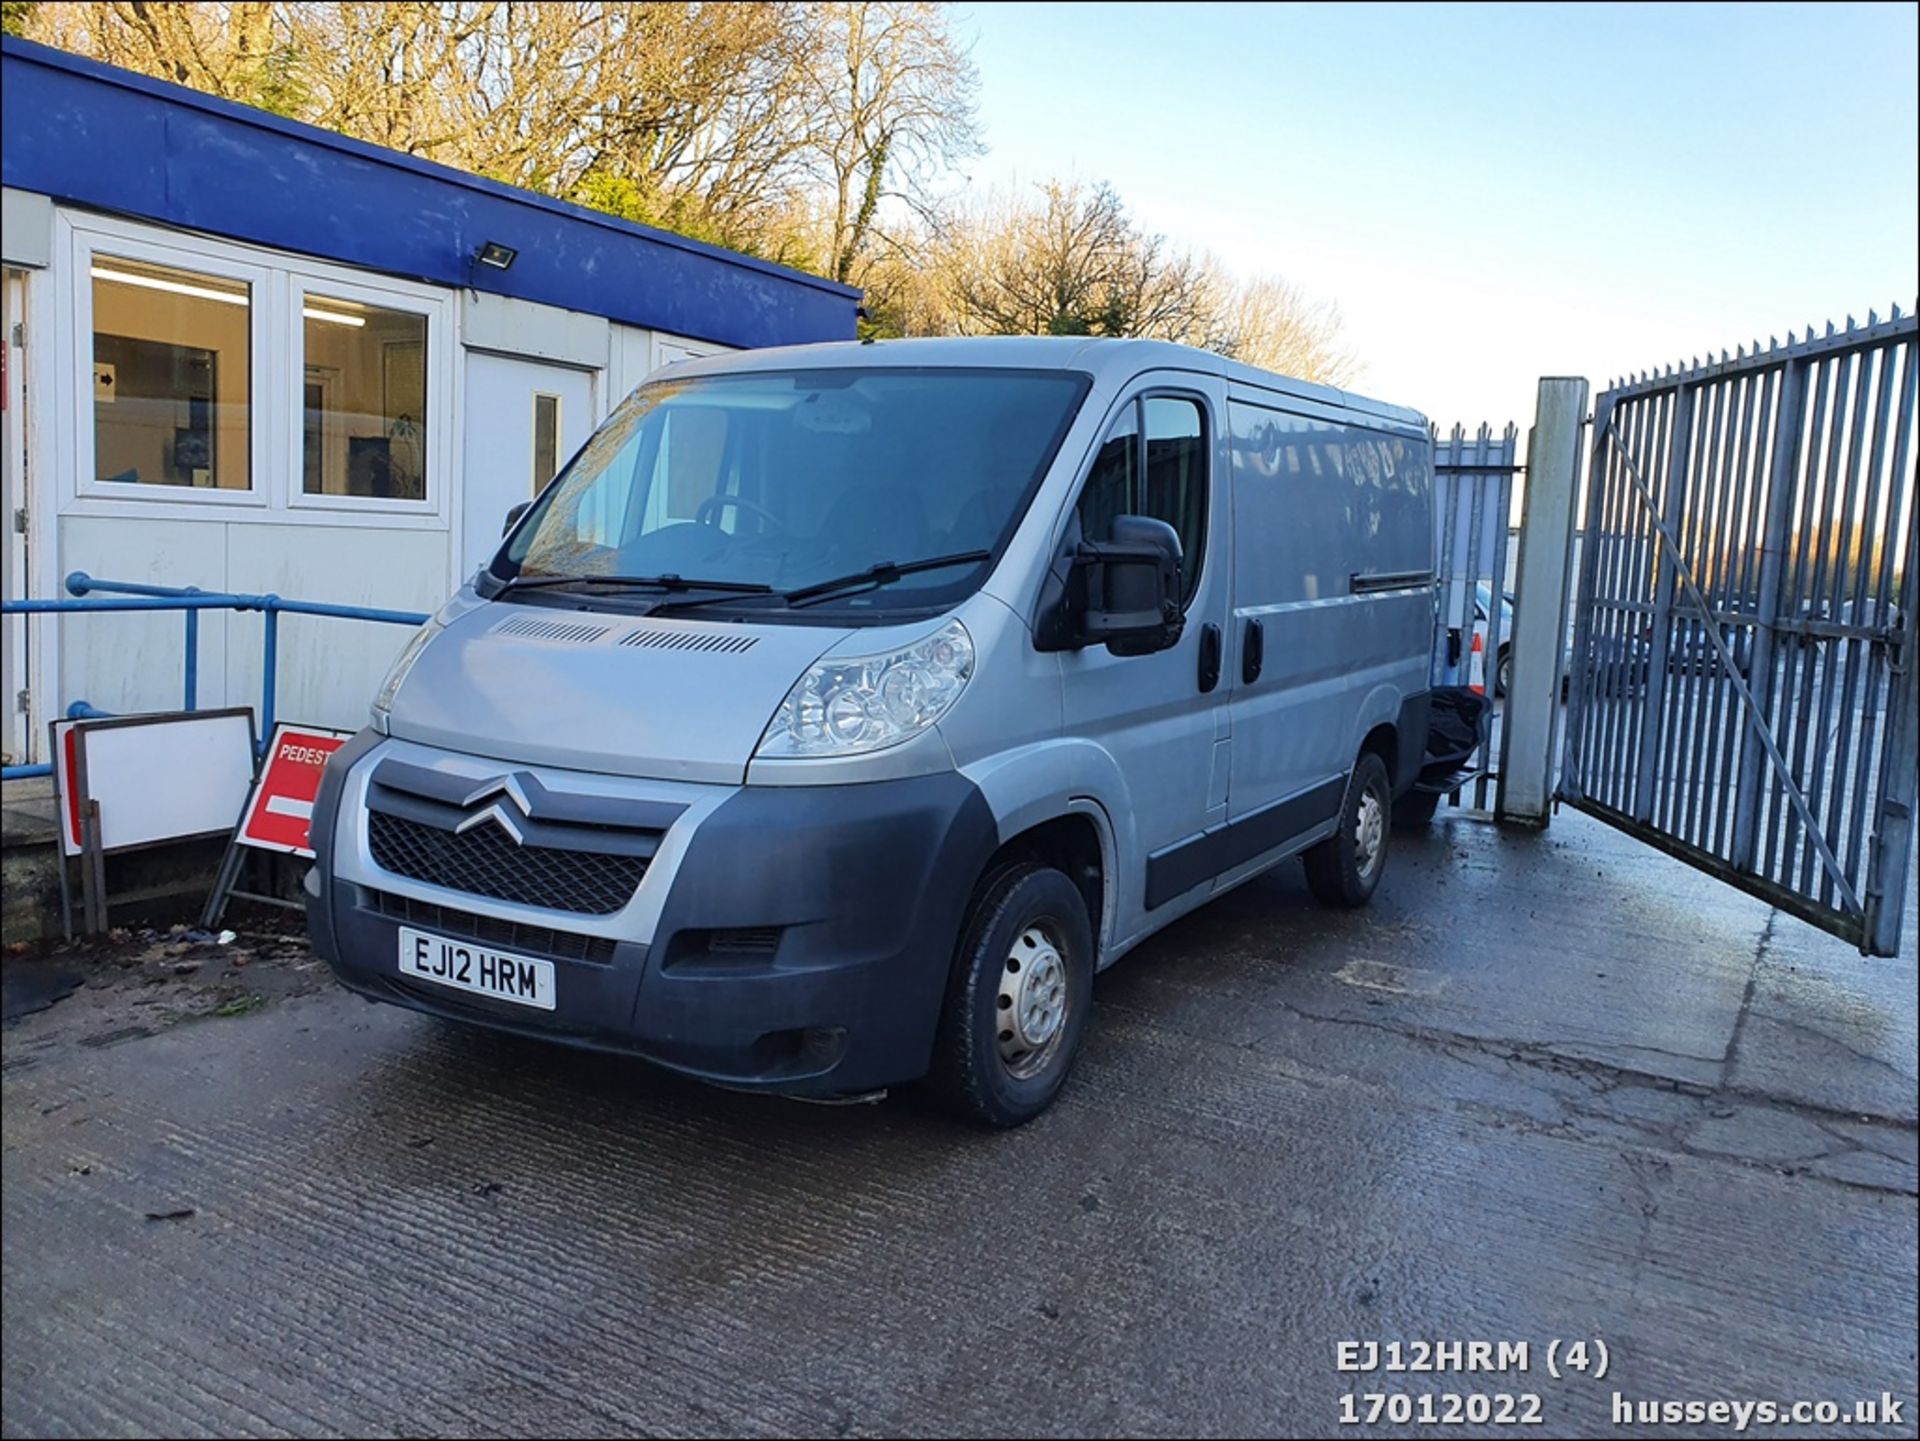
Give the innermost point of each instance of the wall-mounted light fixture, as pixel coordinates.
(496, 256)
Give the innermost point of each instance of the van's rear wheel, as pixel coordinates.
(1018, 1001)
(1344, 868)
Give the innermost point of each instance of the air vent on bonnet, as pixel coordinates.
(691, 640)
(564, 632)
(579, 632)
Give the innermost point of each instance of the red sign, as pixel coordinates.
(281, 805)
(64, 766)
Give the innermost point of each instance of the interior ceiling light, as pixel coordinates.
(174, 287)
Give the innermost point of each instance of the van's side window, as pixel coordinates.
(1167, 479)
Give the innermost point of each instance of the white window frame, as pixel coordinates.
(277, 361)
(333, 436)
(559, 439)
(308, 287)
(260, 307)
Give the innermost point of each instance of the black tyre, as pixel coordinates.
(1344, 868)
(1503, 673)
(1018, 1001)
(1415, 810)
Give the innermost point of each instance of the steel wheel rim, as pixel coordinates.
(1369, 831)
(1031, 1008)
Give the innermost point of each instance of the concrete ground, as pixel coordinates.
(1547, 1088)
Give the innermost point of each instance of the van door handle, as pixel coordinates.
(1252, 652)
(1365, 583)
(1209, 657)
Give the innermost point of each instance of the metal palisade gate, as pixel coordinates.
(1742, 683)
(1472, 515)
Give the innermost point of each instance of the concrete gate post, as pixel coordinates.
(1525, 791)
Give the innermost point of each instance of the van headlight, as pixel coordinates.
(397, 672)
(844, 706)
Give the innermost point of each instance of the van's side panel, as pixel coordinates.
(1332, 561)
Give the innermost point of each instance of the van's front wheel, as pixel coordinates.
(1344, 868)
(1017, 1004)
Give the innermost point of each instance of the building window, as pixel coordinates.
(172, 380)
(546, 439)
(365, 427)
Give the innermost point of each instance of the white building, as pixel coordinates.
(252, 356)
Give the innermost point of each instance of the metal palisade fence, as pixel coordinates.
(1473, 478)
(1742, 681)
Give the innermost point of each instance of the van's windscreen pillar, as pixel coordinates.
(1525, 791)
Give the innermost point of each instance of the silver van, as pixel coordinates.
(838, 711)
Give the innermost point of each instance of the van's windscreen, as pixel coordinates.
(789, 479)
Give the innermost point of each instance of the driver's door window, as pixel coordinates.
(1165, 479)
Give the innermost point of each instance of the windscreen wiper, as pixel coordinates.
(668, 582)
(883, 573)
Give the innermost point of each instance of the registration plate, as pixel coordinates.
(523, 980)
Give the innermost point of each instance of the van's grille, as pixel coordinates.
(489, 930)
(485, 861)
(750, 941)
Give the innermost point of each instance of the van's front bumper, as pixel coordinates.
(790, 938)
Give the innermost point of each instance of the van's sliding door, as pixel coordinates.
(1317, 503)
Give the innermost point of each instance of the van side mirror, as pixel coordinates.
(1130, 587)
(513, 516)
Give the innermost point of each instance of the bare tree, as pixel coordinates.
(691, 114)
(702, 120)
(1269, 323)
(818, 133)
(1071, 262)
(239, 51)
(892, 110)
(1067, 259)
(1049, 266)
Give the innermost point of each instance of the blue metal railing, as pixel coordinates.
(191, 600)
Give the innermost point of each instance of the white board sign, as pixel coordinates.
(159, 777)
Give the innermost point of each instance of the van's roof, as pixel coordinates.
(1096, 357)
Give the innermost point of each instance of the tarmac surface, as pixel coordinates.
(1549, 1087)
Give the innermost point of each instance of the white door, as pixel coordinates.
(524, 419)
(16, 730)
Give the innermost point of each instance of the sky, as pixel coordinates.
(1491, 193)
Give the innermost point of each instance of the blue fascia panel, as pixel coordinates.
(92, 135)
